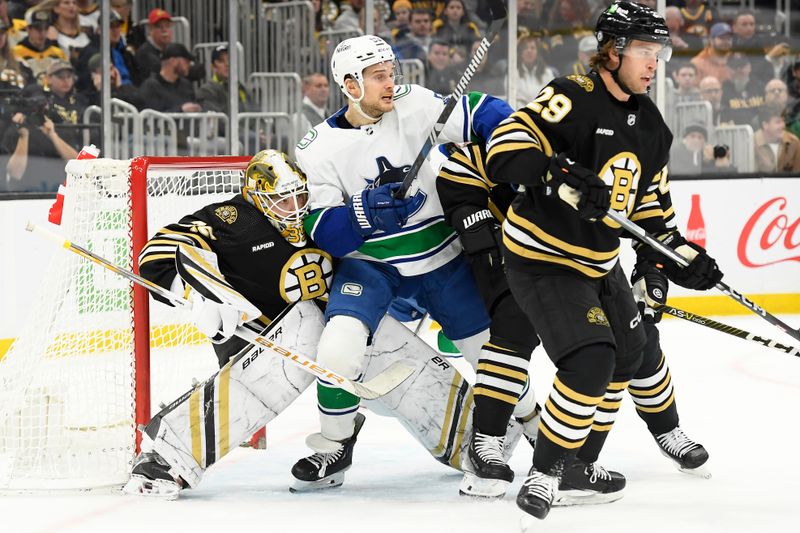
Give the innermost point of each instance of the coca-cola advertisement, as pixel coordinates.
(750, 226)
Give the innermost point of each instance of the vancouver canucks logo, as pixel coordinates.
(388, 173)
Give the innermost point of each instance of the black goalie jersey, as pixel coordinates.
(625, 143)
(251, 253)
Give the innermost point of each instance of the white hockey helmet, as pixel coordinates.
(353, 55)
(276, 186)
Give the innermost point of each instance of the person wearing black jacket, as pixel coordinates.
(169, 90)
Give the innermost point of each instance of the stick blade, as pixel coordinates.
(385, 382)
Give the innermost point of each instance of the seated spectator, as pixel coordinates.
(316, 90)
(687, 155)
(66, 28)
(711, 92)
(10, 70)
(745, 39)
(741, 95)
(684, 45)
(415, 43)
(569, 21)
(490, 77)
(214, 95)
(121, 57)
(15, 28)
(169, 90)
(534, 73)
(686, 84)
(65, 106)
(349, 16)
(586, 49)
(455, 27)
(401, 9)
(160, 34)
(37, 151)
(698, 17)
(529, 16)
(793, 80)
(122, 91)
(36, 51)
(89, 16)
(776, 59)
(440, 76)
(776, 95)
(713, 60)
(776, 149)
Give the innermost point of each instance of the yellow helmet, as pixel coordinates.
(276, 186)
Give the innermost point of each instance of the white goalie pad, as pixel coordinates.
(435, 403)
(203, 425)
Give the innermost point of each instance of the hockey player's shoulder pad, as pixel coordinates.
(307, 139)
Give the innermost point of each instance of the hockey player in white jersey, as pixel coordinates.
(390, 247)
(288, 282)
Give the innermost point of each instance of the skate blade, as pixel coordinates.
(701, 471)
(569, 498)
(328, 482)
(151, 488)
(488, 489)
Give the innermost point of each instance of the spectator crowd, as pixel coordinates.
(737, 61)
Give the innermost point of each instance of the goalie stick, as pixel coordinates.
(654, 243)
(499, 14)
(378, 386)
(724, 328)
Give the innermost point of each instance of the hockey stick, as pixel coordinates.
(648, 239)
(724, 328)
(499, 14)
(378, 386)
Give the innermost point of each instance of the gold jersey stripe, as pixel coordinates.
(537, 133)
(474, 182)
(199, 240)
(195, 425)
(224, 410)
(575, 396)
(448, 415)
(503, 371)
(529, 254)
(455, 461)
(500, 348)
(658, 408)
(564, 417)
(542, 235)
(552, 437)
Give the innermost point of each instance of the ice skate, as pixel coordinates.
(688, 456)
(537, 493)
(325, 470)
(587, 484)
(486, 474)
(150, 477)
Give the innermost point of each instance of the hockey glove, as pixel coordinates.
(479, 232)
(581, 188)
(701, 274)
(649, 290)
(376, 209)
(217, 321)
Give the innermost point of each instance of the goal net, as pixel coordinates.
(96, 357)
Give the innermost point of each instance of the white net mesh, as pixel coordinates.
(67, 385)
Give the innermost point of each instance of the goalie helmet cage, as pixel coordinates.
(94, 358)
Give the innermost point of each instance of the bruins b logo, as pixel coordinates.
(306, 275)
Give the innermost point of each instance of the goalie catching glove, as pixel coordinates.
(580, 187)
(376, 209)
(702, 272)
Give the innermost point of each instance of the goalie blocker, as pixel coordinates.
(199, 428)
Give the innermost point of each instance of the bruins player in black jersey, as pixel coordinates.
(475, 207)
(585, 145)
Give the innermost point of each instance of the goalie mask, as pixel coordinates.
(276, 186)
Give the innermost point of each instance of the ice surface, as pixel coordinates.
(738, 399)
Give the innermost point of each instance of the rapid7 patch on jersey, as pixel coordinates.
(306, 275)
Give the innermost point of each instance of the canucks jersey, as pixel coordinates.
(625, 143)
(341, 161)
(251, 253)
